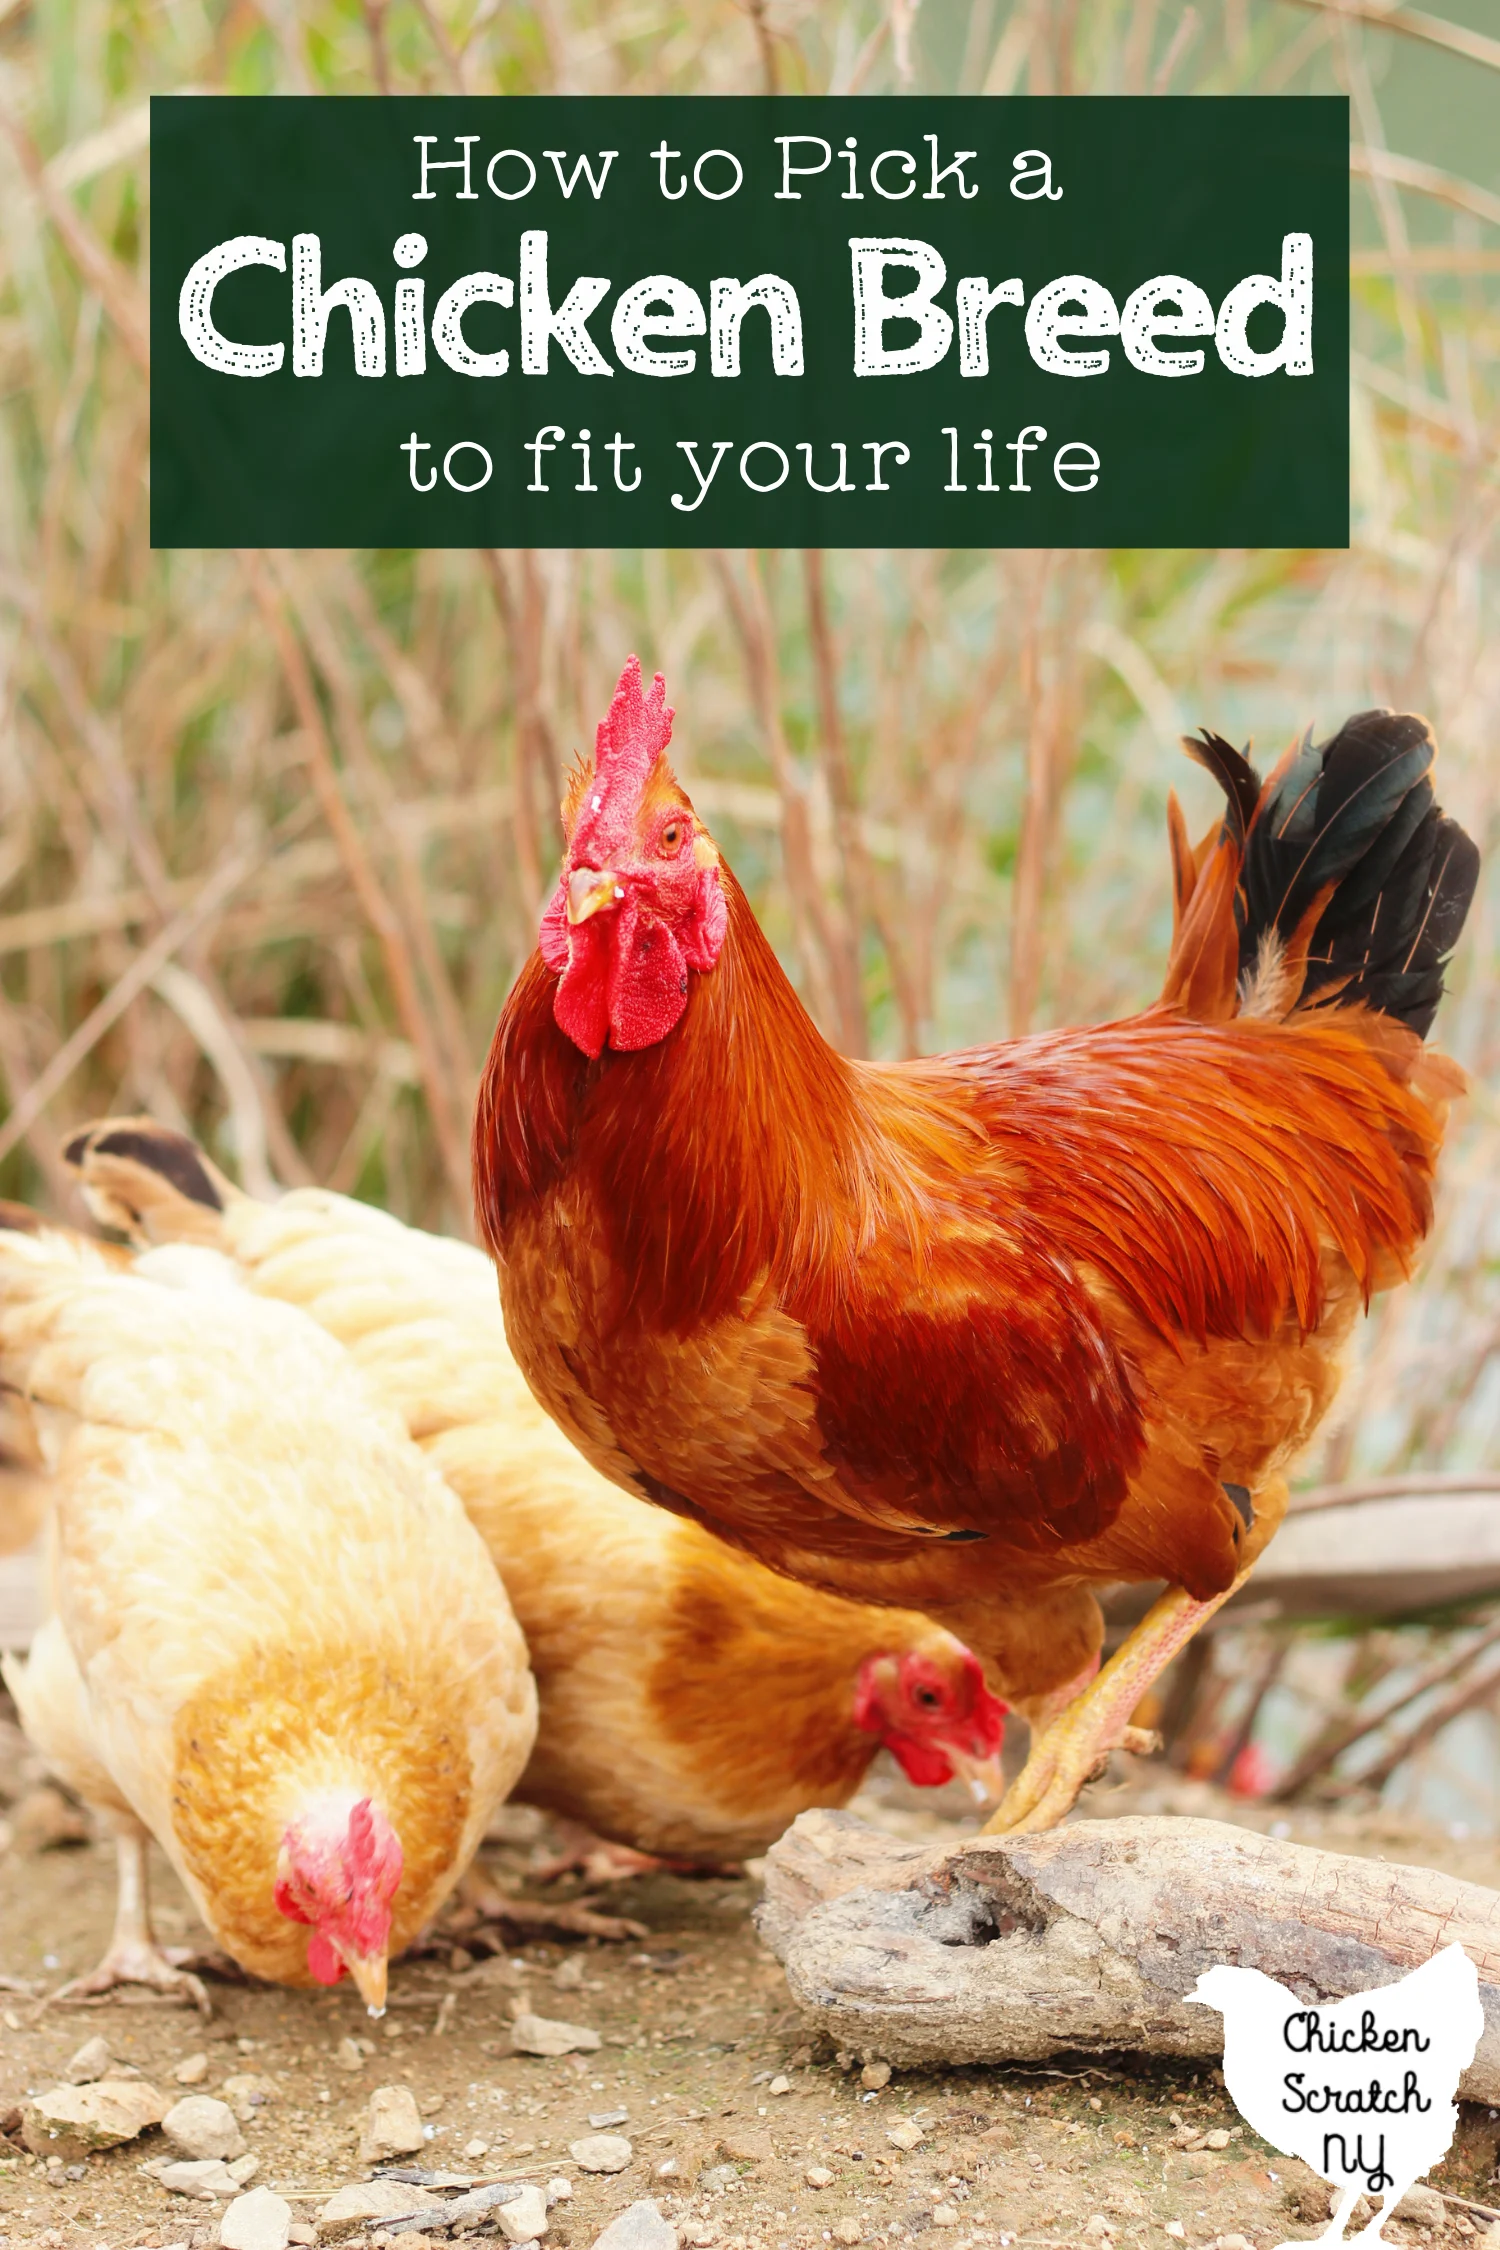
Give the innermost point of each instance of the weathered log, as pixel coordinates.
(1088, 1938)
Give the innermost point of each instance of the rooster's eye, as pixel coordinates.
(927, 1697)
(671, 836)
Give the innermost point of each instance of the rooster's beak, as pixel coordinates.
(369, 1973)
(984, 1777)
(589, 889)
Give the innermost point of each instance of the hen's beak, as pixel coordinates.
(984, 1777)
(369, 1973)
(589, 889)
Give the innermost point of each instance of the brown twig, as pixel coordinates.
(117, 290)
(534, 762)
(1426, 1730)
(751, 614)
(854, 865)
(109, 1010)
(366, 884)
(375, 12)
(1414, 23)
(1333, 1743)
(361, 759)
(765, 47)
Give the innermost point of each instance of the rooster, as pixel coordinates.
(975, 1333)
(691, 1704)
(1361, 2090)
(277, 1644)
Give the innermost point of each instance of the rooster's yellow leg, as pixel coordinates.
(133, 1955)
(1068, 1752)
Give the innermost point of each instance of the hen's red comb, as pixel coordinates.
(636, 729)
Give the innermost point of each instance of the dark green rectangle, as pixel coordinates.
(1203, 189)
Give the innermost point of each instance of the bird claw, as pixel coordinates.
(1064, 1759)
(135, 1963)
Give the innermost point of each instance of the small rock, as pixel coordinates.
(640, 2226)
(247, 2094)
(365, 2204)
(192, 2070)
(818, 2175)
(944, 2215)
(1218, 2138)
(1233, 2242)
(905, 2133)
(243, 2169)
(301, 2232)
(473, 2150)
(91, 2061)
(875, 2075)
(347, 2056)
(1176, 2230)
(72, 2121)
(719, 2176)
(747, 2146)
(559, 2191)
(544, 2035)
(1422, 2207)
(568, 1975)
(199, 2125)
(602, 2119)
(430, 2104)
(261, 2220)
(601, 2152)
(524, 2219)
(392, 2126)
(780, 2084)
(201, 2177)
(848, 2230)
(1098, 2228)
(668, 2169)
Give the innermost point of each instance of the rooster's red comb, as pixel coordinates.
(636, 729)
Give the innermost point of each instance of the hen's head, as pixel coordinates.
(639, 905)
(935, 1715)
(338, 1870)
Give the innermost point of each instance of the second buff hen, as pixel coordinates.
(691, 1702)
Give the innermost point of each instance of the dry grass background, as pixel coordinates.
(274, 829)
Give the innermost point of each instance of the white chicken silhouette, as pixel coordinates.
(1361, 2090)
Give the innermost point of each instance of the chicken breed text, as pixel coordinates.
(906, 320)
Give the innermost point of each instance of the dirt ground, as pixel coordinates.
(696, 2025)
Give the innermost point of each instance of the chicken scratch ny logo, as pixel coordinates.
(1385, 2064)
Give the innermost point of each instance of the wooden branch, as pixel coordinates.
(1087, 1939)
(1415, 1484)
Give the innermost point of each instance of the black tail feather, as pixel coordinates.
(1356, 813)
(1232, 771)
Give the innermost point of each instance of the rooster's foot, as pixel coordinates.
(1074, 1748)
